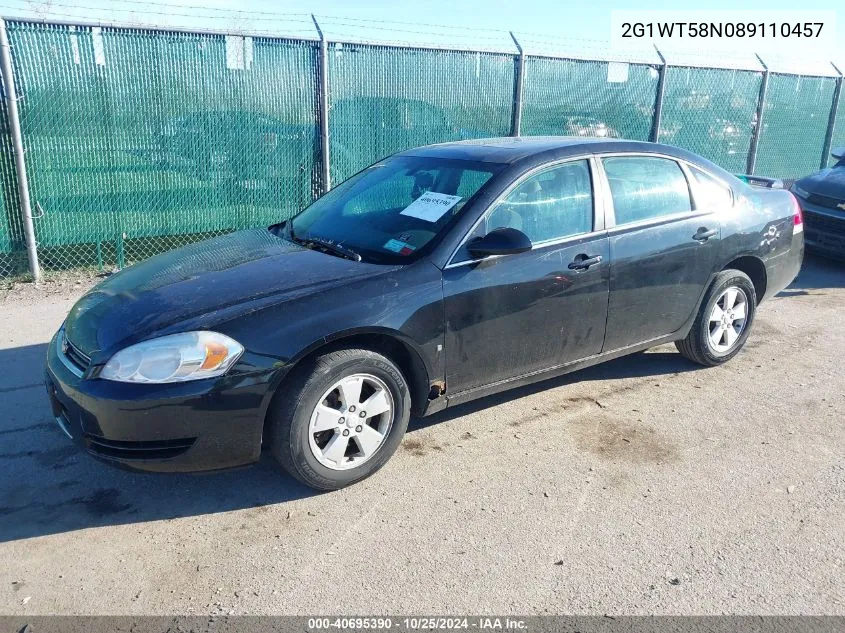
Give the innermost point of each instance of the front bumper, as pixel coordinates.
(824, 229)
(177, 427)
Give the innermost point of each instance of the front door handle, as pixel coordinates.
(703, 234)
(583, 262)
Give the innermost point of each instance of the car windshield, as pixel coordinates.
(394, 211)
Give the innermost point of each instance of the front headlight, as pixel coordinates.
(798, 191)
(174, 358)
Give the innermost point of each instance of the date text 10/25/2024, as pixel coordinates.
(417, 623)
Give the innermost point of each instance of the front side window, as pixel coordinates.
(646, 187)
(550, 205)
(395, 210)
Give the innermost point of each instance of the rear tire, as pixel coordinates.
(724, 320)
(319, 429)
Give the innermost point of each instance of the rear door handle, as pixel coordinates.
(583, 262)
(703, 234)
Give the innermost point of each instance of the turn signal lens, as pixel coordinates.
(215, 354)
(174, 358)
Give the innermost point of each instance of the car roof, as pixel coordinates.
(513, 149)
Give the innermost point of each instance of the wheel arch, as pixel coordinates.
(389, 343)
(755, 269)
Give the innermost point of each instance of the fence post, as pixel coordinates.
(758, 128)
(323, 94)
(17, 143)
(654, 137)
(831, 122)
(518, 89)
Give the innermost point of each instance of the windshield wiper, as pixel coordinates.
(337, 249)
(325, 245)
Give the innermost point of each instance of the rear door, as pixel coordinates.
(516, 314)
(663, 247)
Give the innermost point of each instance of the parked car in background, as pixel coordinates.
(586, 125)
(235, 144)
(822, 199)
(363, 128)
(436, 276)
(569, 121)
(717, 125)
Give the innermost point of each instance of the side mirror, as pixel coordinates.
(838, 153)
(505, 241)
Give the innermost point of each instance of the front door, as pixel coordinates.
(516, 314)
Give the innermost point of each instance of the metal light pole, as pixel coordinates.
(17, 145)
(654, 137)
(325, 171)
(758, 129)
(518, 90)
(831, 122)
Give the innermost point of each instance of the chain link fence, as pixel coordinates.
(140, 141)
(795, 121)
(710, 111)
(137, 141)
(588, 98)
(383, 100)
(12, 253)
(838, 139)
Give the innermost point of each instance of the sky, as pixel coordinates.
(542, 26)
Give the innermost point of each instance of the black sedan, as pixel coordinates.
(822, 198)
(435, 276)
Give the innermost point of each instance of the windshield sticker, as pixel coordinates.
(399, 247)
(431, 206)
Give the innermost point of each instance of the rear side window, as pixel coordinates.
(646, 187)
(710, 193)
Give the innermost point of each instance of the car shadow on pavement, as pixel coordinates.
(49, 486)
(658, 362)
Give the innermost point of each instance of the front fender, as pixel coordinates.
(405, 306)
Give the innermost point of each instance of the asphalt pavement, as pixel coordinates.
(644, 485)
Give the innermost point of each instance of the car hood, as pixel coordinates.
(828, 182)
(217, 279)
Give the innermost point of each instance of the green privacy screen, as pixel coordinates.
(388, 99)
(586, 98)
(794, 125)
(12, 253)
(838, 139)
(138, 141)
(710, 112)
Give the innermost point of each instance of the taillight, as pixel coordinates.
(798, 216)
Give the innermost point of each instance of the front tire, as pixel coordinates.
(724, 320)
(339, 418)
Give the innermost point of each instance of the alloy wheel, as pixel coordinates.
(728, 319)
(351, 421)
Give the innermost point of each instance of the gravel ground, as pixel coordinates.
(645, 485)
